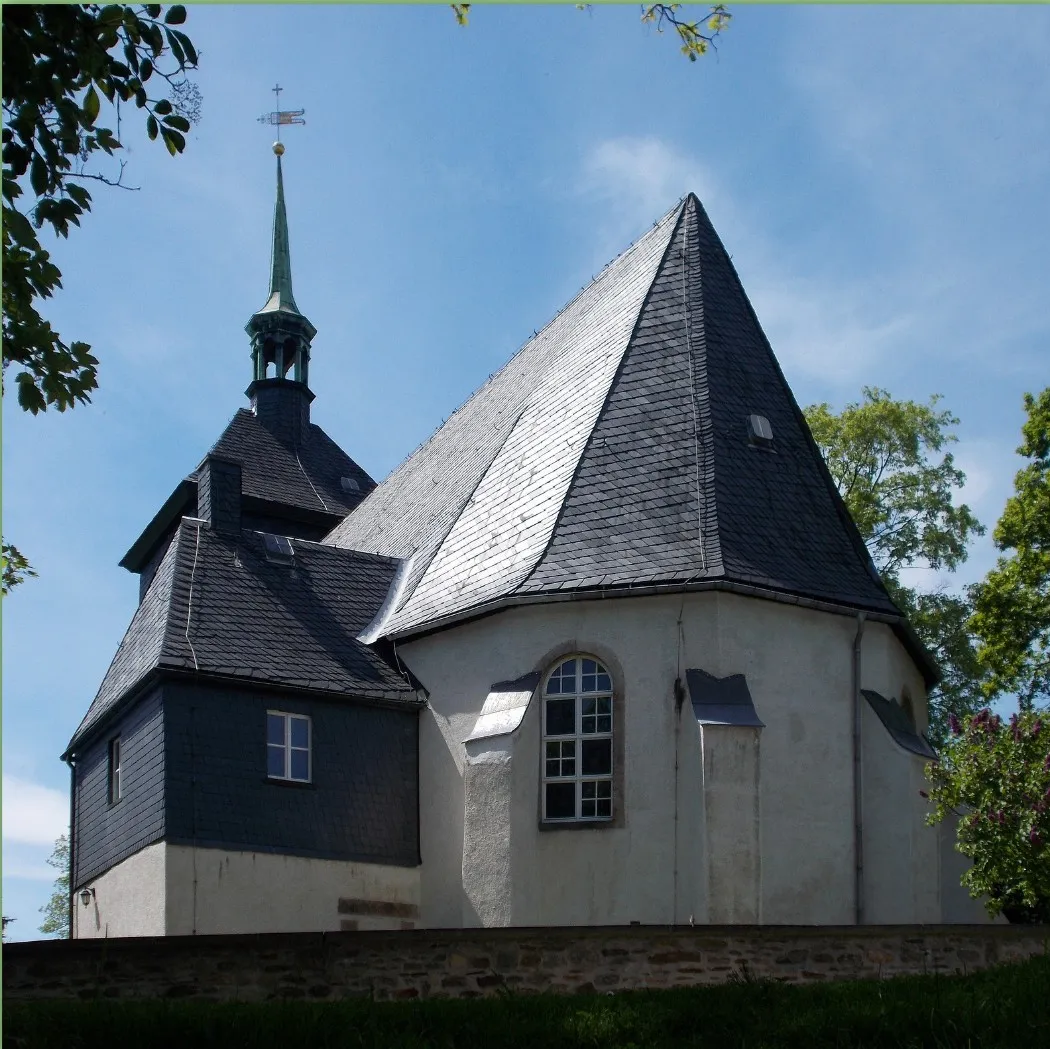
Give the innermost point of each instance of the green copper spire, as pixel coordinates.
(280, 334)
(281, 259)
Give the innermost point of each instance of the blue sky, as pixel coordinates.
(879, 175)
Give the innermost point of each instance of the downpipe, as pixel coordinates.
(858, 820)
(70, 909)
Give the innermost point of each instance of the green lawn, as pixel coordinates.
(1008, 1007)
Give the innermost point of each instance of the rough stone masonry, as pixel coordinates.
(474, 963)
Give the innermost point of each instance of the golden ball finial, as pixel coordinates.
(278, 148)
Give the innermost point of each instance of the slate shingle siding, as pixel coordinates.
(635, 508)
(617, 497)
(220, 606)
(219, 494)
(283, 409)
(361, 805)
(105, 833)
(284, 526)
(148, 573)
(306, 474)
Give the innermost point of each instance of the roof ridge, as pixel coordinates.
(838, 502)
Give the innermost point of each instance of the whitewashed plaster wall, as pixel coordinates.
(901, 852)
(732, 807)
(219, 891)
(651, 867)
(128, 900)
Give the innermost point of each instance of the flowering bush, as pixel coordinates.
(995, 776)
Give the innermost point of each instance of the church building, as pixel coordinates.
(606, 649)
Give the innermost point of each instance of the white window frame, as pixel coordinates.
(287, 747)
(114, 771)
(607, 780)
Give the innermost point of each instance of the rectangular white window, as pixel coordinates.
(577, 742)
(288, 746)
(116, 787)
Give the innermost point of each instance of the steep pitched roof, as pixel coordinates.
(219, 605)
(613, 451)
(307, 478)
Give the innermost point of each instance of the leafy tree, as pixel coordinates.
(697, 37)
(56, 910)
(59, 62)
(888, 460)
(996, 778)
(16, 568)
(1012, 604)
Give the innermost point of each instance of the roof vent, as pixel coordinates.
(759, 432)
(349, 484)
(278, 548)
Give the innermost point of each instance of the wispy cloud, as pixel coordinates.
(30, 872)
(836, 330)
(33, 815)
(641, 178)
(944, 128)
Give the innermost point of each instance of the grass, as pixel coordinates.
(1003, 1008)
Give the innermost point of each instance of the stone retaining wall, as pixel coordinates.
(476, 962)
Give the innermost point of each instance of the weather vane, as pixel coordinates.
(281, 116)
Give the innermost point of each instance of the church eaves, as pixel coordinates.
(618, 451)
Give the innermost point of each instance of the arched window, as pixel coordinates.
(578, 741)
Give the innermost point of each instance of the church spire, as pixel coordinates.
(280, 259)
(281, 336)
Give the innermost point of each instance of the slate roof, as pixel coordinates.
(613, 451)
(218, 605)
(722, 700)
(898, 725)
(307, 477)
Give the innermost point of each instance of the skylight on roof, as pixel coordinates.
(759, 432)
(278, 548)
(349, 484)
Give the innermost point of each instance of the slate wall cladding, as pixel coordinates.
(150, 570)
(283, 408)
(284, 526)
(473, 963)
(105, 833)
(361, 804)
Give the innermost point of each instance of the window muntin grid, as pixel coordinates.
(288, 746)
(577, 745)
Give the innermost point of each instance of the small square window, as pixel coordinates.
(114, 777)
(288, 745)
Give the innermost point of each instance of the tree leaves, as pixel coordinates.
(882, 456)
(56, 910)
(1012, 603)
(59, 62)
(879, 453)
(694, 42)
(996, 777)
(16, 568)
(91, 105)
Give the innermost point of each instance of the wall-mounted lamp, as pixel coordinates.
(86, 895)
